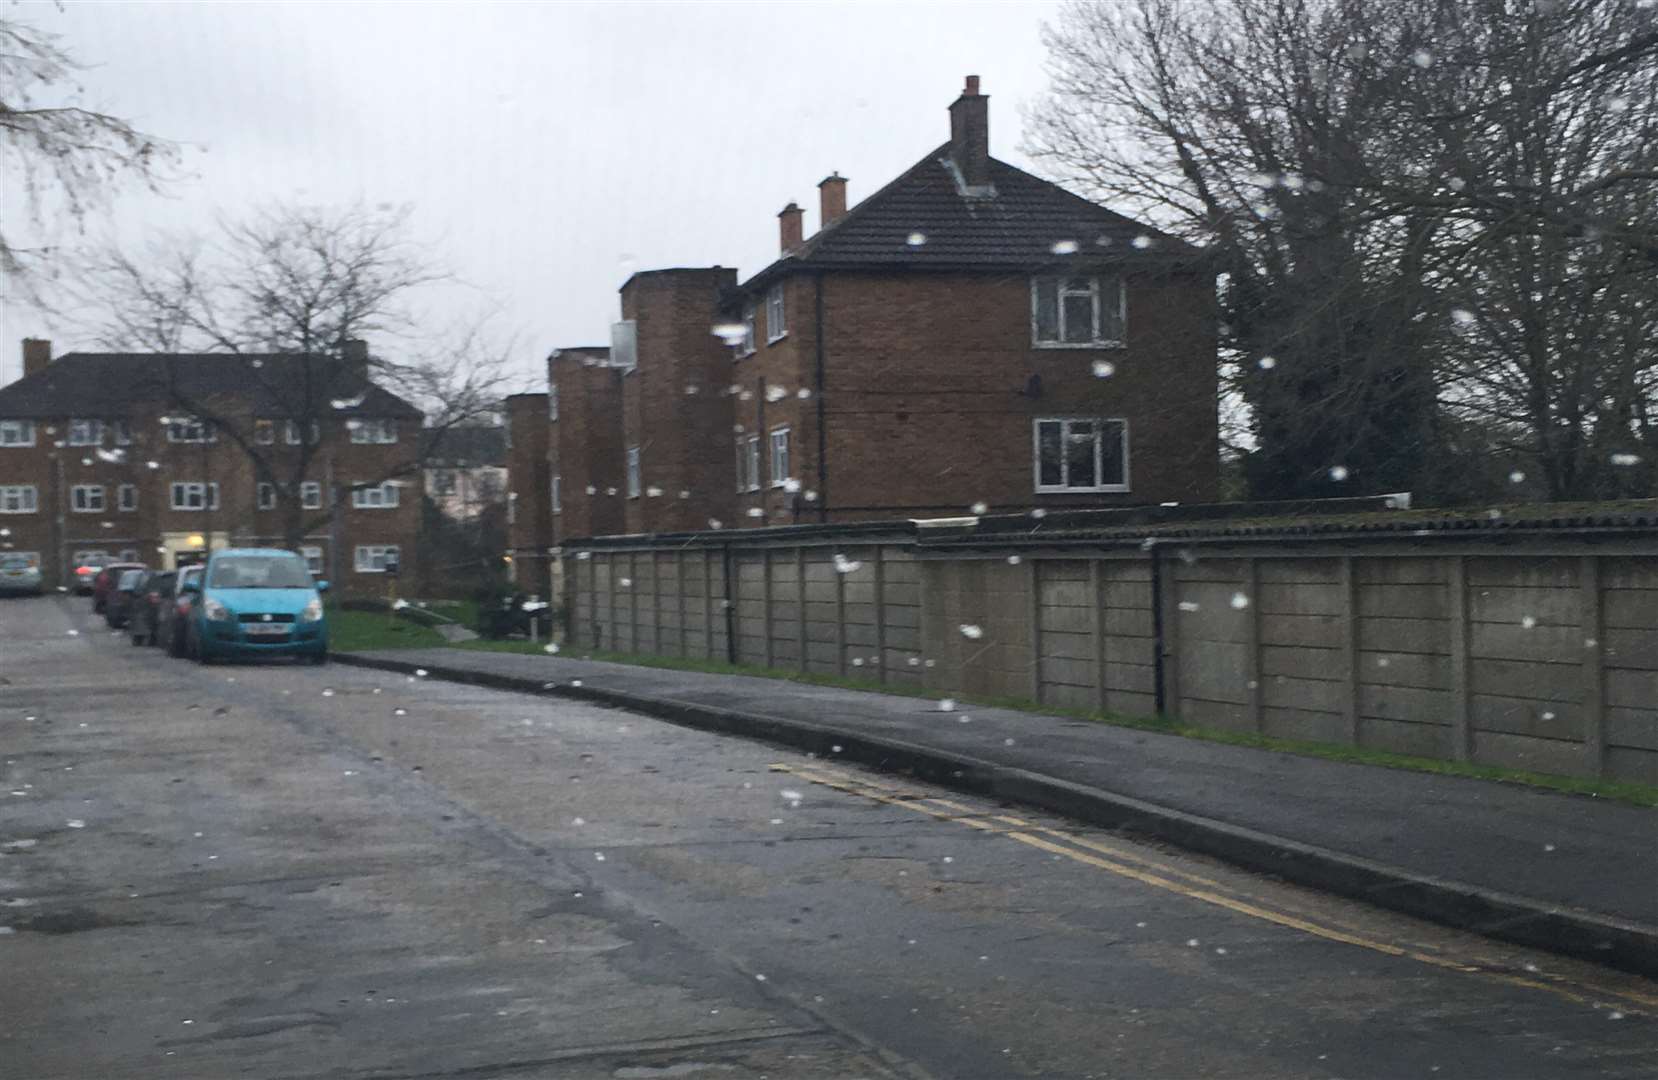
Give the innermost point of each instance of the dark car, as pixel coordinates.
(104, 582)
(146, 609)
(119, 601)
(175, 612)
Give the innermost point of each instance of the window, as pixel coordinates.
(128, 555)
(558, 498)
(779, 456)
(633, 472)
(85, 432)
(372, 431)
(91, 558)
(126, 497)
(188, 495)
(310, 495)
(748, 463)
(552, 401)
(512, 506)
(122, 432)
(777, 323)
(17, 499)
(372, 558)
(624, 345)
(380, 497)
(745, 347)
(189, 429)
(1077, 311)
(264, 432)
(313, 559)
(443, 481)
(265, 495)
(17, 432)
(87, 498)
(1081, 454)
(292, 428)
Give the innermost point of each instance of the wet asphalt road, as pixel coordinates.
(275, 871)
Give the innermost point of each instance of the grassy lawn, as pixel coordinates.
(1622, 791)
(354, 630)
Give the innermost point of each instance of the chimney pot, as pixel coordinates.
(791, 230)
(970, 136)
(831, 199)
(37, 355)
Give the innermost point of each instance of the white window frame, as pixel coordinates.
(264, 432)
(381, 497)
(264, 495)
(746, 346)
(777, 315)
(291, 430)
(635, 480)
(558, 494)
(87, 499)
(126, 498)
(376, 432)
(19, 499)
(748, 463)
(1097, 290)
(207, 493)
(19, 433)
(780, 436)
(1066, 423)
(313, 559)
(84, 431)
(371, 558)
(310, 495)
(120, 432)
(190, 429)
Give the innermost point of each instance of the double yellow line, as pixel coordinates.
(1161, 875)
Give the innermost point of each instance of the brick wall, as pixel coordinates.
(673, 410)
(585, 449)
(529, 483)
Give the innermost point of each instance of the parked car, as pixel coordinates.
(20, 573)
(171, 616)
(146, 612)
(85, 574)
(103, 583)
(256, 602)
(118, 604)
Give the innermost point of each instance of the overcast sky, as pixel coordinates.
(549, 149)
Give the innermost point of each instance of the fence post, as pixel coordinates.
(1033, 608)
(765, 602)
(633, 602)
(610, 587)
(800, 600)
(1257, 691)
(1096, 624)
(1594, 673)
(679, 595)
(1456, 584)
(1350, 646)
(840, 621)
(708, 603)
(880, 613)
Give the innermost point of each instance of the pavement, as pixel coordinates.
(1571, 874)
(285, 872)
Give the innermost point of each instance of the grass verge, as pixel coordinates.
(1636, 794)
(349, 631)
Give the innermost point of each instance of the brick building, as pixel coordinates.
(99, 459)
(529, 489)
(464, 468)
(968, 335)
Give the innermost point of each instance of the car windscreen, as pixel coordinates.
(259, 572)
(15, 562)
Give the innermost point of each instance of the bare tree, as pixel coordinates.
(59, 154)
(284, 302)
(1371, 179)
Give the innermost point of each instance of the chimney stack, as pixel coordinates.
(37, 354)
(354, 358)
(790, 228)
(831, 199)
(970, 136)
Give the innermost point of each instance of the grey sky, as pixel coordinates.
(548, 149)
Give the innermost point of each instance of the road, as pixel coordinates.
(291, 872)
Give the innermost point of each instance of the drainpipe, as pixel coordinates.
(1157, 625)
(822, 434)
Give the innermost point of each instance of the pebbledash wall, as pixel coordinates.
(1532, 649)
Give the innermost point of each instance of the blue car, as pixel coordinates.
(256, 602)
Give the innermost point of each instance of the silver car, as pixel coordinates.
(20, 572)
